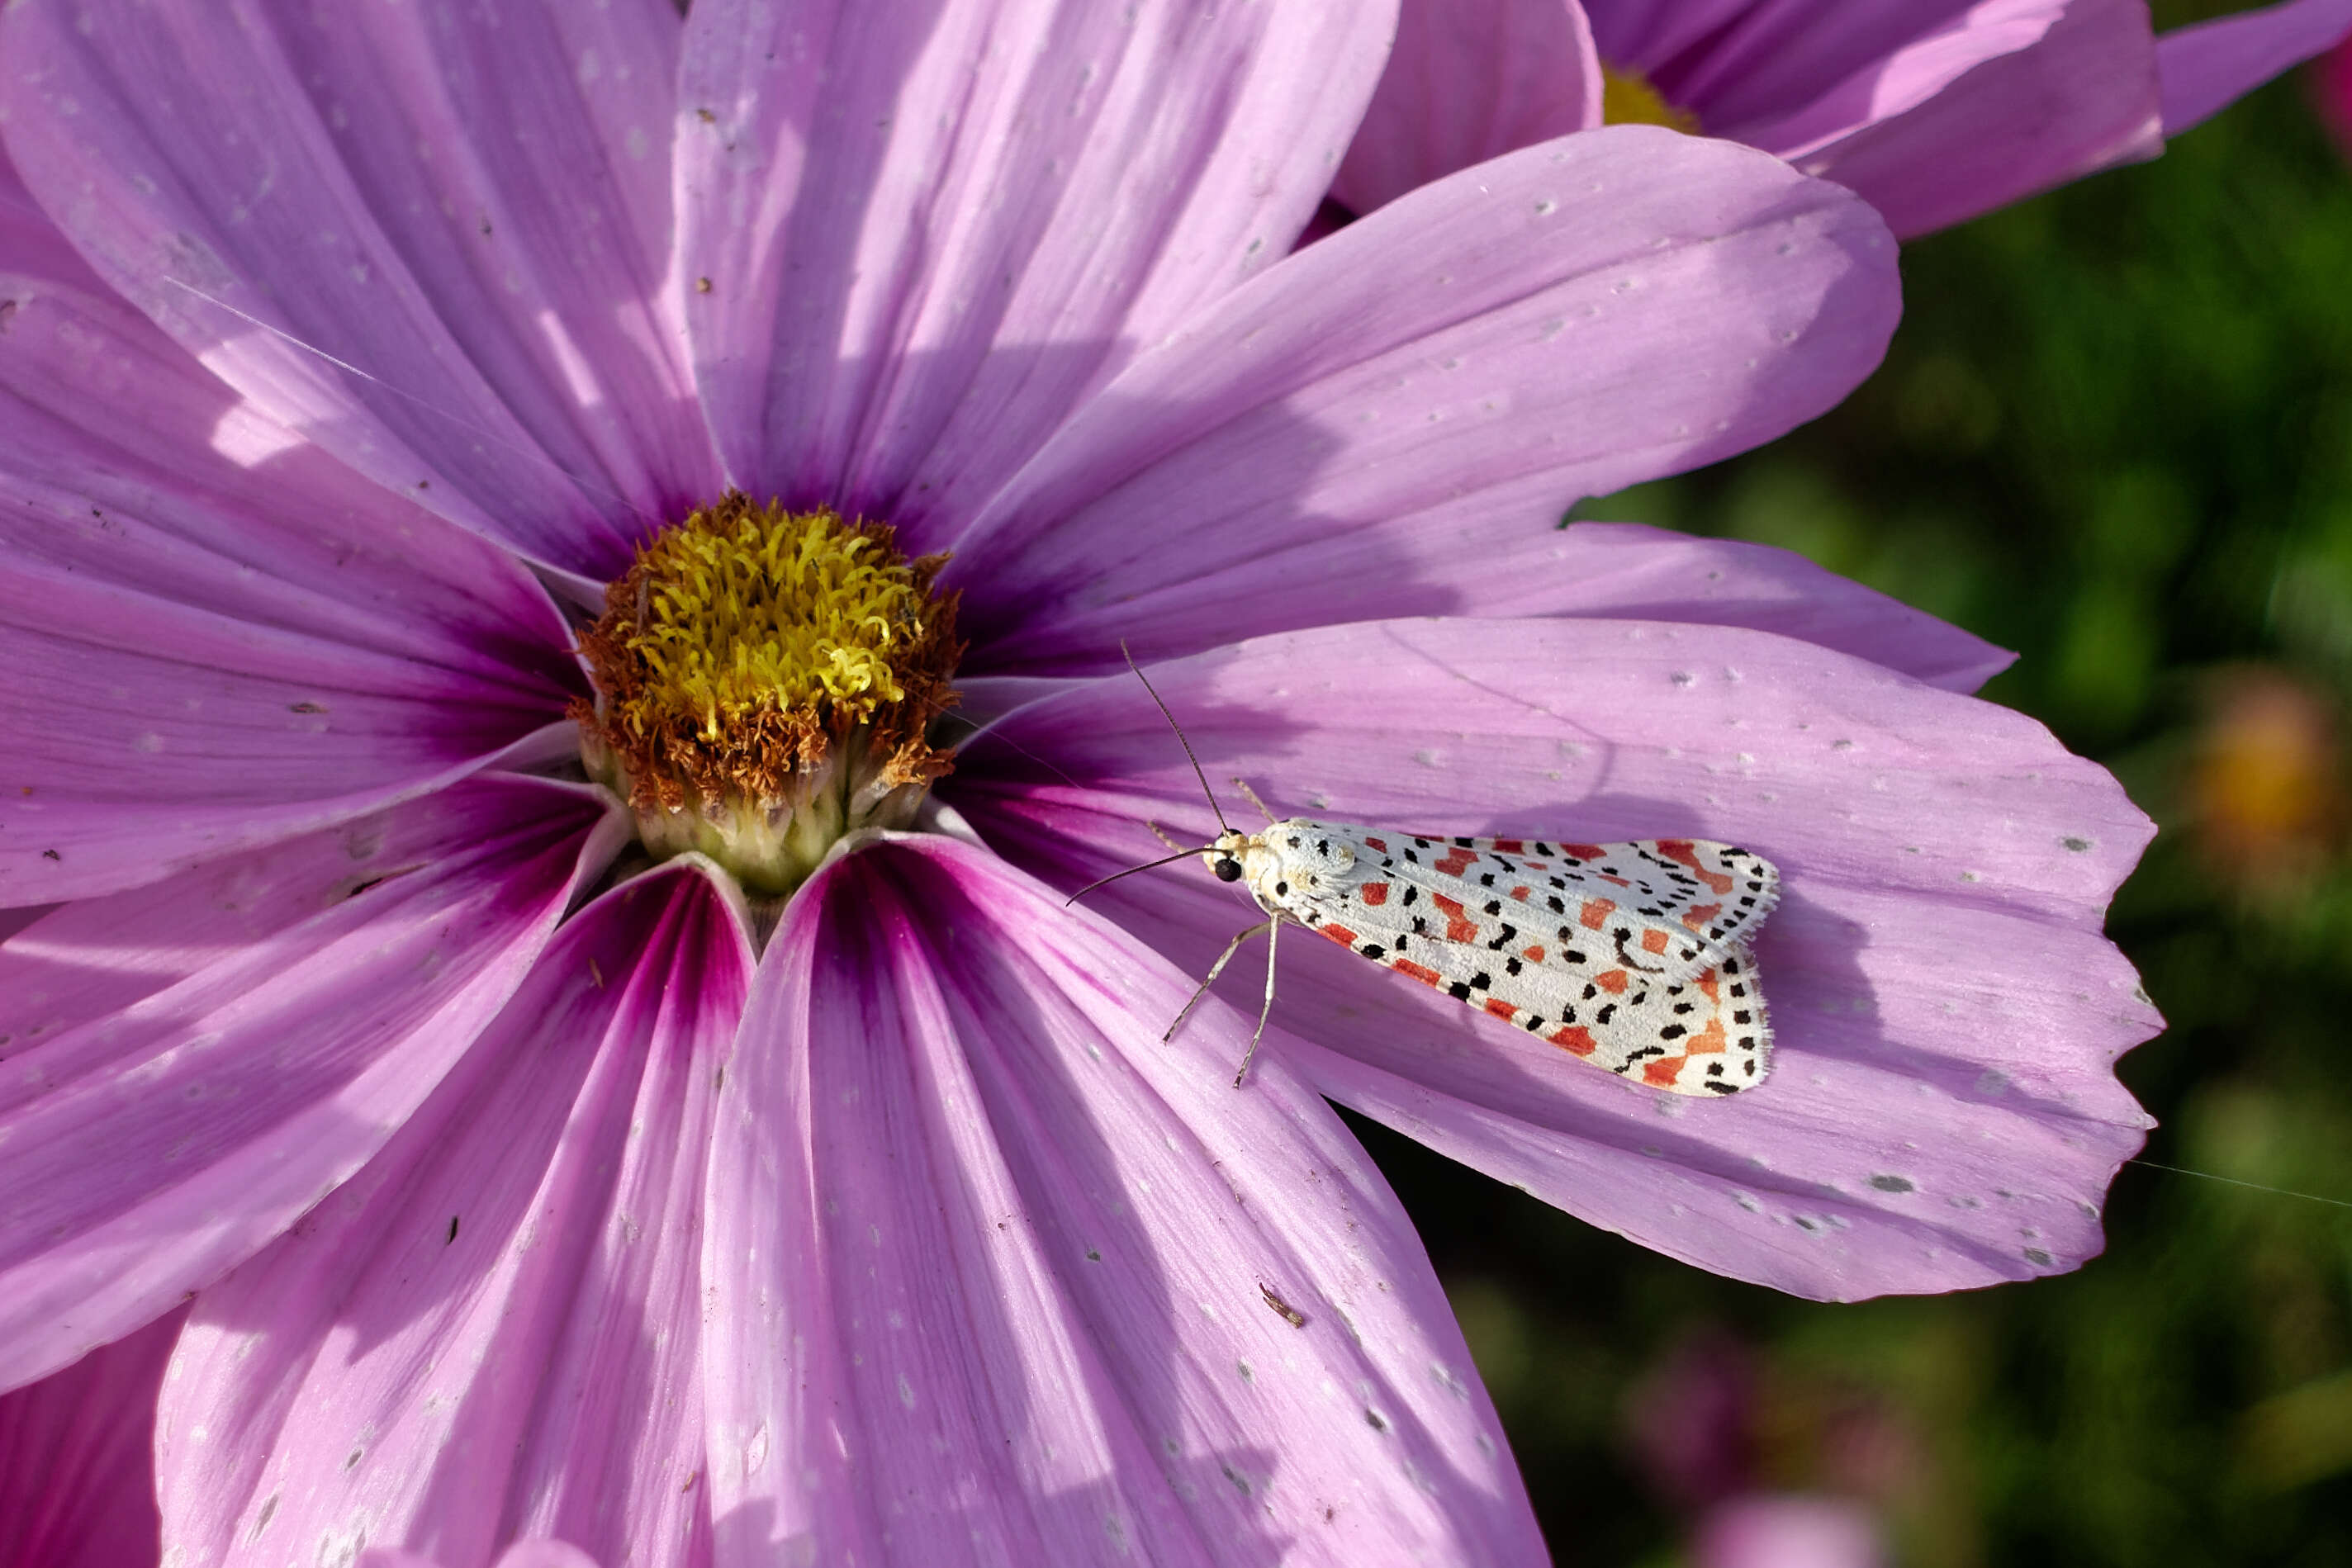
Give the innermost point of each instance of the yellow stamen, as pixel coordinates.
(765, 682)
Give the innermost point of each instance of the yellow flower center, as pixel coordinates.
(765, 684)
(1628, 98)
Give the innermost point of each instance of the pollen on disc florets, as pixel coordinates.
(765, 684)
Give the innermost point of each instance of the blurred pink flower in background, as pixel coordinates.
(1692, 1421)
(2331, 90)
(1782, 1530)
(1933, 111)
(1771, 1470)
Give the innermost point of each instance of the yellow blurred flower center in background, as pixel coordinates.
(1628, 98)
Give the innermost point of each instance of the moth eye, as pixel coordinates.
(1229, 871)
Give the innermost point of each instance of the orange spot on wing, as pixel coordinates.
(1610, 980)
(1663, 1070)
(1520, 894)
(1338, 933)
(1680, 851)
(1501, 1009)
(1378, 846)
(1510, 847)
(1595, 913)
(1375, 893)
(1701, 915)
(1533, 954)
(1408, 967)
(1653, 940)
(1575, 1040)
(1456, 862)
(1710, 985)
(1581, 852)
(1459, 927)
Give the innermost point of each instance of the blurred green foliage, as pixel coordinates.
(2115, 434)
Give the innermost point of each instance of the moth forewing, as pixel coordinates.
(1705, 1034)
(1667, 907)
(1631, 956)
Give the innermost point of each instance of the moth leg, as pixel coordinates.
(1251, 796)
(1273, 930)
(1215, 970)
(1162, 835)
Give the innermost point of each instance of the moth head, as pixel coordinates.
(1224, 856)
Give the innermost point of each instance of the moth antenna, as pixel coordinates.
(426, 403)
(1146, 865)
(1179, 728)
(1249, 794)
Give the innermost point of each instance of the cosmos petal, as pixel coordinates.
(81, 962)
(1926, 1125)
(1466, 83)
(903, 300)
(128, 766)
(1359, 431)
(490, 1331)
(1626, 571)
(216, 634)
(2082, 96)
(148, 1147)
(1791, 77)
(125, 461)
(988, 1261)
(2210, 66)
(1738, 63)
(76, 1461)
(433, 242)
(31, 246)
(521, 1555)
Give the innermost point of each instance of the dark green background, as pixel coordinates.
(2115, 434)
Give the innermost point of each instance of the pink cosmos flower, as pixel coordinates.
(529, 1186)
(1934, 111)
